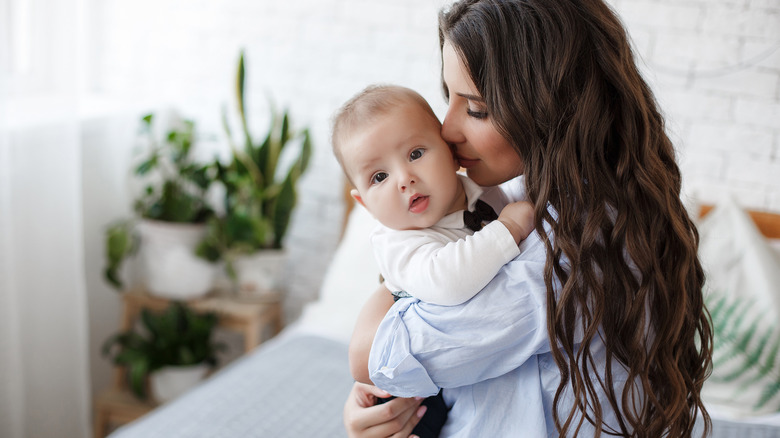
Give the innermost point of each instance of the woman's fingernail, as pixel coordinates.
(418, 398)
(421, 411)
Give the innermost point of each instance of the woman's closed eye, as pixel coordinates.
(416, 154)
(477, 114)
(378, 177)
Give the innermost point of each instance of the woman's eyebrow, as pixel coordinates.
(471, 97)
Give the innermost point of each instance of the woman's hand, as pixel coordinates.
(395, 419)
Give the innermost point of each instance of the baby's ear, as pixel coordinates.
(356, 196)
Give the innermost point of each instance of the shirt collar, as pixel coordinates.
(473, 192)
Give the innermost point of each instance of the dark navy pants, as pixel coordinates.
(431, 423)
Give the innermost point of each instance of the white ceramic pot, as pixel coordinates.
(167, 383)
(262, 272)
(171, 268)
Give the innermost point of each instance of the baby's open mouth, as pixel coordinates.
(418, 203)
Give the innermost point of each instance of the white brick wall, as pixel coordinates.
(700, 56)
(307, 55)
(715, 68)
(312, 55)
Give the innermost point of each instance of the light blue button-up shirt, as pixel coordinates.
(491, 355)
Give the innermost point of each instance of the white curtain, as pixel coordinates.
(44, 371)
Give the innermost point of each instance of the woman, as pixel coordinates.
(601, 327)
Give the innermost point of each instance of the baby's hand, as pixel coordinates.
(518, 217)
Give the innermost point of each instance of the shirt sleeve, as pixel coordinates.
(420, 347)
(514, 190)
(440, 271)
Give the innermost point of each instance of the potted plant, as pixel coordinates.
(172, 213)
(170, 348)
(260, 195)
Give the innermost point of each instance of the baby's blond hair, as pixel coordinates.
(366, 106)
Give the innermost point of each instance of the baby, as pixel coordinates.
(388, 141)
(432, 242)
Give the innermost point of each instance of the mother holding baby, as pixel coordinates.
(598, 327)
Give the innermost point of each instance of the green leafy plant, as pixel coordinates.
(120, 243)
(175, 337)
(746, 349)
(260, 184)
(174, 190)
(179, 192)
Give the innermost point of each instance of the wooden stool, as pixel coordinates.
(115, 407)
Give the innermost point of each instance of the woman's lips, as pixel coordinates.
(418, 203)
(467, 162)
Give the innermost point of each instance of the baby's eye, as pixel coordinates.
(378, 177)
(416, 154)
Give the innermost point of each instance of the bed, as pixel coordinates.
(295, 384)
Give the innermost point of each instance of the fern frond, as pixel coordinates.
(767, 368)
(751, 355)
(769, 392)
(747, 344)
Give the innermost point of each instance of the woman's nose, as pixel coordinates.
(449, 128)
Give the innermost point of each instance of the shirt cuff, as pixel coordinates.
(388, 362)
(505, 243)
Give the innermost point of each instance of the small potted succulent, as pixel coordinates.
(171, 216)
(173, 349)
(260, 195)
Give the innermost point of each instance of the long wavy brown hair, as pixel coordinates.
(560, 83)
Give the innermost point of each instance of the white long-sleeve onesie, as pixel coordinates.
(446, 264)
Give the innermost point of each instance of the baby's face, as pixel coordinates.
(403, 172)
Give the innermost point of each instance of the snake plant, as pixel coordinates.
(260, 182)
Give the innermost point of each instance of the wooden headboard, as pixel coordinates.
(767, 223)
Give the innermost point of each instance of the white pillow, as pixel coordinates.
(351, 277)
(742, 293)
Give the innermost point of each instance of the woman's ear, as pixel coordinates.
(356, 196)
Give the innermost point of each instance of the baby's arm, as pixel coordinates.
(518, 218)
(368, 320)
(450, 273)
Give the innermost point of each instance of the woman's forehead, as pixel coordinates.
(455, 74)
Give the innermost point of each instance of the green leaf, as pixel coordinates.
(750, 356)
(119, 245)
(261, 157)
(147, 165)
(769, 363)
(769, 392)
(240, 100)
(200, 176)
(285, 203)
(241, 228)
(151, 322)
(305, 152)
(746, 347)
(137, 374)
